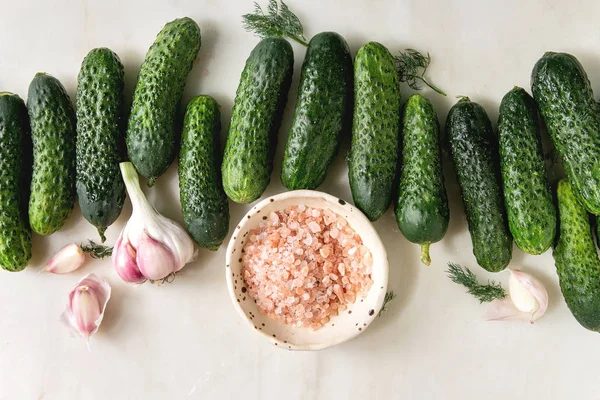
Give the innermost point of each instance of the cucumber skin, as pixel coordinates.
(255, 120)
(52, 121)
(527, 196)
(99, 144)
(15, 174)
(374, 149)
(151, 132)
(422, 212)
(203, 202)
(473, 150)
(322, 110)
(565, 98)
(577, 262)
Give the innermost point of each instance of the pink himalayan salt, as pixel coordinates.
(303, 265)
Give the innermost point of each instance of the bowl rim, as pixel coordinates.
(271, 200)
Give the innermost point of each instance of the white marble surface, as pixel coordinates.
(185, 340)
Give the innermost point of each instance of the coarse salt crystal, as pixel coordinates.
(314, 227)
(308, 241)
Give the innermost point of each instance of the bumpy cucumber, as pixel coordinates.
(473, 149)
(422, 210)
(99, 146)
(324, 97)
(577, 262)
(203, 202)
(151, 132)
(255, 120)
(52, 120)
(15, 174)
(376, 124)
(529, 205)
(565, 98)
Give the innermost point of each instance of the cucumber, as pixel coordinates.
(577, 262)
(15, 164)
(374, 149)
(255, 120)
(52, 120)
(151, 131)
(565, 98)
(322, 109)
(527, 196)
(474, 154)
(422, 212)
(203, 202)
(99, 145)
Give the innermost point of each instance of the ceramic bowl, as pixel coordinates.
(350, 322)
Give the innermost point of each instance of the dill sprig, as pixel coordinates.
(278, 21)
(483, 293)
(96, 250)
(408, 64)
(389, 296)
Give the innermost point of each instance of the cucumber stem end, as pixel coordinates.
(425, 258)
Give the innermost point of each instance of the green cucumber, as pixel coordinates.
(203, 202)
(15, 167)
(52, 120)
(527, 195)
(422, 212)
(151, 131)
(322, 109)
(565, 98)
(255, 120)
(99, 145)
(374, 149)
(473, 149)
(577, 262)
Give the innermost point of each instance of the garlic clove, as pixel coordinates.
(87, 304)
(86, 309)
(66, 260)
(528, 299)
(124, 260)
(154, 259)
(528, 294)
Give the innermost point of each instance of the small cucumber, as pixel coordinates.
(422, 210)
(564, 95)
(577, 262)
(374, 148)
(99, 145)
(474, 153)
(322, 109)
(527, 196)
(52, 120)
(15, 167)
(151, 132)
(203, 202)
(255, 120)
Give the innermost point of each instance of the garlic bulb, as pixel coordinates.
(150, 246)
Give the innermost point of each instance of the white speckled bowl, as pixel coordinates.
(351, 322)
